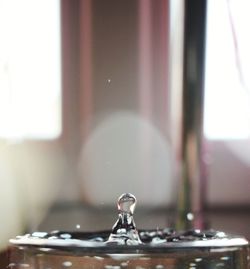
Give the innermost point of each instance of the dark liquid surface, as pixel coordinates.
(150, 241)
(149, 255)
(147, 236)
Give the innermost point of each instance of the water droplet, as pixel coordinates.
(25, 265)
(158, 240)
(11, 265)
(45, 249)
(67, 263)
(78, 226)
(220, 234)
(65, 236)
(97, 239)
(225, 258)
(220, 264)
(190, 216)
(159, 266)
(39, 234)
(125, 264)
(52, 237)
(124, 231)
(55, 232)
(98, 258)
(145, 258)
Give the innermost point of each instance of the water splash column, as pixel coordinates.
(124, 230)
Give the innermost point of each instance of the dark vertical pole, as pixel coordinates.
(191, 196)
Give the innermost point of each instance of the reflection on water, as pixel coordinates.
(227, 258)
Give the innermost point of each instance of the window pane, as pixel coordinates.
(227, 99)
(30, 75)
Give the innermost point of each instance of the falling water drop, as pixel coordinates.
(124, 230)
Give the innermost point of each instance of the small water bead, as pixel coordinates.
(124, 264)
(220, 234)
(124, 231)
(145, 258)
(159, 266)
(97, 239)
(225, 258)
(190, 216)
(11, 265)
(158, 240)
(24, 265)
(66, 236)
(39, 234)
(98, 258)
(52, 237)
(45, 249)
(220, 264)
(67, 263)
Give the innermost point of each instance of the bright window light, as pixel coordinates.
(30, 73)
(227, 92)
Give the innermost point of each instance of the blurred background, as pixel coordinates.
(90, 108)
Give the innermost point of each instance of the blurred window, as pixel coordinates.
(227, 87)
(30, 69)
